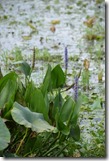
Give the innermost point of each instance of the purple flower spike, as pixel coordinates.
(66, 58)
(76, 88)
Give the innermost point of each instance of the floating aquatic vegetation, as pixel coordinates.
(90, 21)
(54, 22)
(27, 37)
(31, 26)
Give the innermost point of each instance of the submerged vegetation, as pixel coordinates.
(52, 79)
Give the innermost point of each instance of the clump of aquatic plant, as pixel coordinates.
(41, 113)
(42, 120)
(45, 55)
(97, 32)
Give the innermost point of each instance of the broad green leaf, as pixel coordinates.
(29, 91)
(47, 81)
(37, 103)
(8, 88)
(35, 99)
(61, 126)
(46, 99)
(67, 110)
(57, 77)
(77, 109)
(23, 67)
(6, 94)
(64, 115)
(20, 93)
(3, 80)
(35, 121)
(4, 135)
(75, 132)
(58, 103)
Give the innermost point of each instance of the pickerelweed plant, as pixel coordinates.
(66, 59)
(36, 120)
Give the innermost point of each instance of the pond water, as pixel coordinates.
(41, 13)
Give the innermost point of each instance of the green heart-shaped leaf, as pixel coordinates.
(35, 121)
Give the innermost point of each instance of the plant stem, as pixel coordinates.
(59, 152)
(21, 142)
(39, 150)
(46, 139)
(50, 150)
